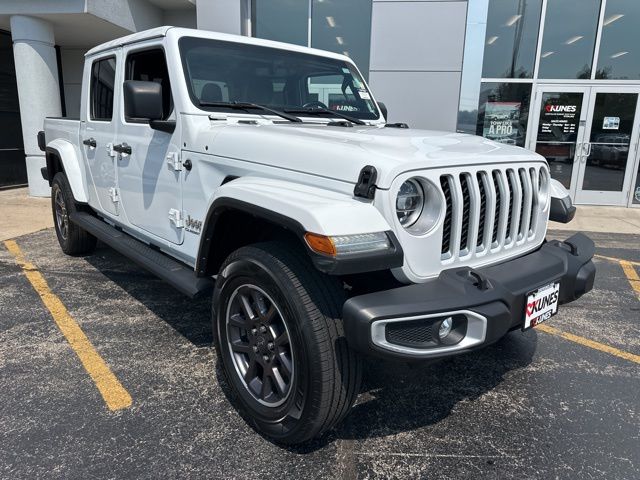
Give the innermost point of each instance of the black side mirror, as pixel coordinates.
(142, 100)
(383, 109)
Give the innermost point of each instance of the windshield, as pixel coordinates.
(218, 71)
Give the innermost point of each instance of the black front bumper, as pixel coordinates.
(494, 296)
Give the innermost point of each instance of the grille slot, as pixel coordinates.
(488, 210)
(446, 232)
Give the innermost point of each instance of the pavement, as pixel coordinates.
(561, 401)
(21, 214)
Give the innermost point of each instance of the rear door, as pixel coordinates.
(98, 132)
(150, 178)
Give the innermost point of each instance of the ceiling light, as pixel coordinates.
(491, 40)
(340, 40)
(612, 18)
(547, 54)
(618, 55)
(573, 40)
(512, 20)
(331, 21)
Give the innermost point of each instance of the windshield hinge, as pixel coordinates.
(114, 193)
(366, 186)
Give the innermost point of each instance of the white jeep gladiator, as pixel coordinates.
(267, 173)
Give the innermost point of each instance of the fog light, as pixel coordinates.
(445, 327)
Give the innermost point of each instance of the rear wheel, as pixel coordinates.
(72, 239)
(280, 340)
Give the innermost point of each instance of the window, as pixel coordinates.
(103, 77)
(343, 27)
(569, 38)
(338, 26)
(619, 57)
(151, 66)
(503, 112)
(511, 38)
(281, 20)
(218, 71)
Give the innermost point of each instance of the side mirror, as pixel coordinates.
(142, 100)
(383, 110)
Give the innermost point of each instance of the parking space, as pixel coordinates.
(535, 405)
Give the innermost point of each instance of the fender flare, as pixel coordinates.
(234, 194)
(65, 153)
(562, 209)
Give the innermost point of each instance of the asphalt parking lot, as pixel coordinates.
(562, 402)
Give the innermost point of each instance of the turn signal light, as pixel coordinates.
(320, 244)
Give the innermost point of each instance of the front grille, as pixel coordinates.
(489, 209)
(415, 333)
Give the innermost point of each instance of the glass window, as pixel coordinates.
(103, 77)
(503, 112)
(151, 66)
(343, 27)
(281, 20)
(218, 71)
(511, 38)
(636, 189)
(569, 39)
(619, 57)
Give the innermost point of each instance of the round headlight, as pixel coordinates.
(410, 202)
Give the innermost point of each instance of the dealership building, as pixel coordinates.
(560, 77)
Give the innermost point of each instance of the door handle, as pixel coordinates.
(90, 142)
(122, 148)
(588, 152)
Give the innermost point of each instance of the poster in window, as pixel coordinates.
(501, 121)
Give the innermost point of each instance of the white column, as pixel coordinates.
(38, 89)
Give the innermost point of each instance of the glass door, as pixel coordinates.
(558, 130)
(609, 148)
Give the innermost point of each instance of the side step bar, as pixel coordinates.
(182, 277)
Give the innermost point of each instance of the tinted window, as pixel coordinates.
(503, 112)
(151, 66)
(281, 20)
(569, 39)
(511, 38)
(343, 27)
(619, 56)
(218, 71)
(103, 76)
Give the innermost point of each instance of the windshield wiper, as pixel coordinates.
(248, 106)
(318, 109)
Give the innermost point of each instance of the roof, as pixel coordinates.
(179, 32)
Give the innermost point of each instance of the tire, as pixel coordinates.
(320, 375)
(72, 239)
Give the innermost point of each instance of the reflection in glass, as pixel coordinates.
(281, 20)
(558, 132)
(569, 39)
(511, 38)
(636, 189)
(503, 112)
(610, 139)
(343, 27)
(619, 56)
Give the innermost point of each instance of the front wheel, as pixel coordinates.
(280, 339)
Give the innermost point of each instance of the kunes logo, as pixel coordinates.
(560, 108)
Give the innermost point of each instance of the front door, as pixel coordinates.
(609, 147)
(559, 129)
(150, 177)
(589, 136)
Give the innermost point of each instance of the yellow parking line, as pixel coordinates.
(589, 343)
(112, 391)
(631, 275)
(617, 260)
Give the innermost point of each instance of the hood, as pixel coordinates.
(340, 153)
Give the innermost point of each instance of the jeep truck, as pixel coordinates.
(267, 175)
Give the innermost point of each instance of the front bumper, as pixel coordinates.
(487, 303)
